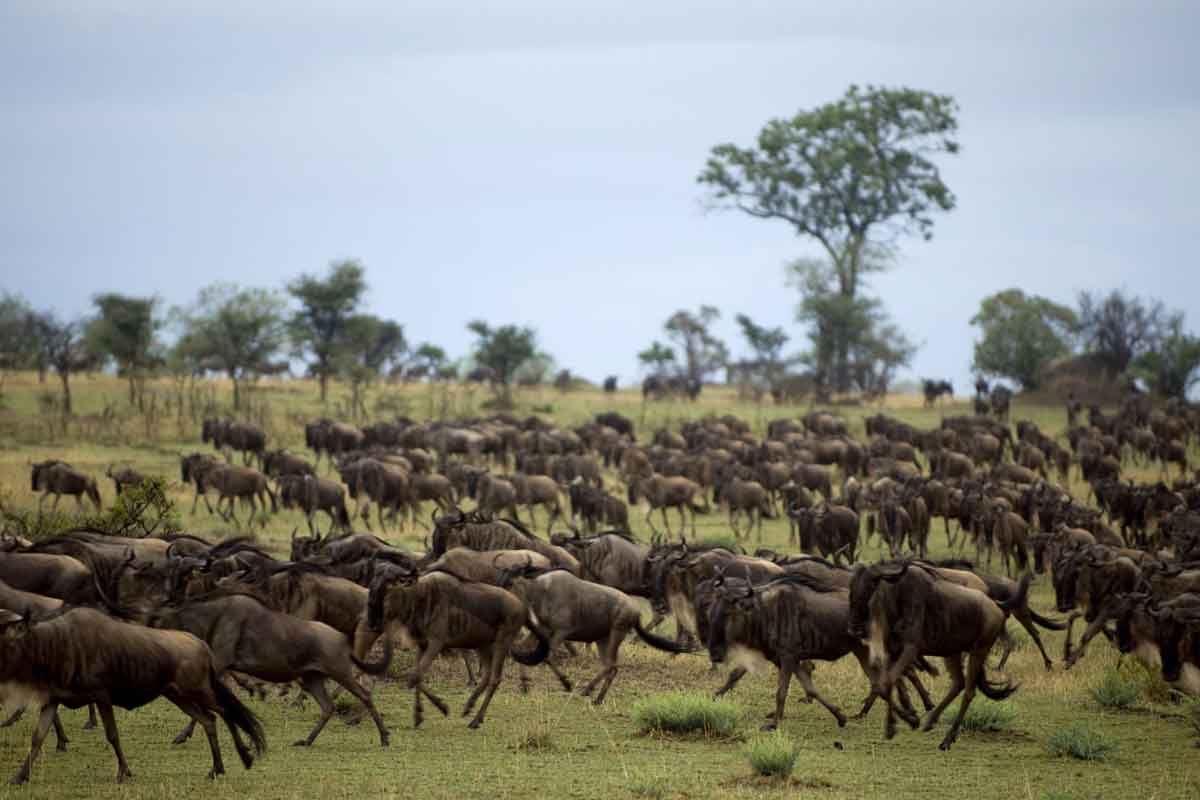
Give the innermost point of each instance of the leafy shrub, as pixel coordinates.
(1117, 690)
(1079, 741)
(685, 712)
(988, 717)
(773, 755)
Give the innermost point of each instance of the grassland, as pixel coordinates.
(548, 742)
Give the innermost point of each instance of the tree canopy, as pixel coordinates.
(767, 363)
(1020, 334)
(503, 350)
(327, 306)
(852, 175)
(233, 330)
(124, 330)
(702, 352)
(657, 357)
(1171, 368)
(367, 346)
(1117, 328)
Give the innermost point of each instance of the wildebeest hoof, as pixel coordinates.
(841, 721)
(89, 725)
(945, 745)
(385, 740)
(770, 725)
(18, 780)
(300, 743)
(474, 724)
(180, 739)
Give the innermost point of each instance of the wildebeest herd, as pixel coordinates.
(108, 621)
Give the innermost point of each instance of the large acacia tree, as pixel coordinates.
(851, 174)
(124, 330)
(1020, 335)
(321, 326)
(502, 350)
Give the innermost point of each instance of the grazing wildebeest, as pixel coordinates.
(439, 612)
(903, 610)
(84, 656)
(54, 477)
(662, 492)
(571, 609)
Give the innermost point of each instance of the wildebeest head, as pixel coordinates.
(382, 578)
(734, 604)
(863, 583)
(304, 547)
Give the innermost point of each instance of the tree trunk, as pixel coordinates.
(65, 377)
(322, 381)
(237, 392)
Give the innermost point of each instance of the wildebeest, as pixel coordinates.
(54, 477)
(233, 483)
(124, 478)
(439, 612)
(744, 497)
(828, 530)
(571, 609)
(482, 533)
(192, 469)
(903, 610)
(245, 437)
(935, 389)
(84, 656)
(312, 494)
(662, 492)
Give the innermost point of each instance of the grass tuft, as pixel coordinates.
(773, 754)
(1117, 690)
(989, 717)
(1080, 741)
(654, 787)
(685, 712)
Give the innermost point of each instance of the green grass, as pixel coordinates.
(549, 740)
(1081, 742)
(772, 755)
(1117, 691)
(989, 717)
(685, 713)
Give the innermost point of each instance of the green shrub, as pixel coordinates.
(1191, 711)
(988, 717)
(1117, 690)
(685, 712)
(1081, 742)
(773, 755)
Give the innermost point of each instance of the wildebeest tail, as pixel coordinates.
(1044, 622)
(238, 716)
(1020, 599)
(658, 642)
(376, 667)
(540, 653)
(994, 691)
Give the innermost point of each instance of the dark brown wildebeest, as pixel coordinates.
(744, 497)
(54, 477)
(437, 612)
(1146, 628)
(789, 621)
(62, 577)
(612, 559)
(307, 592)
(312, 494)
(192, 469)
(246, 437)
(124, 478)
(1098, 579)
(278, 463)
(903, 611)
(619, 423)
(571, 609)
(535, 490)
(233, 483)
(935, 389)
(84, 656)
(28, 605)
(830, 531)
(662, 492)
(247, 636)
(493, 495)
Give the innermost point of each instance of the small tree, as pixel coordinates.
(16, 348)
(124, 331)
(503, 350)
(1118, 328)
(327, 307)
(1020, 334)
(657, 357)
(66, 350)
(232, 330)
(430, 360)
(367, 346)
(703, 353)
(767, 346)
(1171, 368)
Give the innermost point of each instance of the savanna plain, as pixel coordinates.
(548, 742)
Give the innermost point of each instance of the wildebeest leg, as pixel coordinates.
(608, 657)
(556, 641)
(975, 666)
(736, 675)
(915, 681)
(466, 659)
(364, 697)
(803, 673)
(314, 684)
(650, 520)
(955, 667)
(491, 655)
(667, 522)
(91, 720)
(1094, 627)
(1023, 617)
(114, 740)
(186, 733)
(416, 681)
(60, 735)
(787, 666)
(14, 719)
(45, 720)
(1009, 646)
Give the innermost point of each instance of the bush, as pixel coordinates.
(1191, 712)
(1081, 742)
(684, 712)
(773, 755)
(1117, 690)
(988, 717)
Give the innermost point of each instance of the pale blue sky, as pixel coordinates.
(535, 161)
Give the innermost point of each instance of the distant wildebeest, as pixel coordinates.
(235, 483)
(1001, 399)
(192, 469)
(662, 492)
(54, 477)
(84, 656)
(312, 494)
(246, 437)
(124, 478)
(278, 463)
(610, 384)
(481, 533)
(935, 389)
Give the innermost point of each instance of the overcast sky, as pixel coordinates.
(535, 161)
